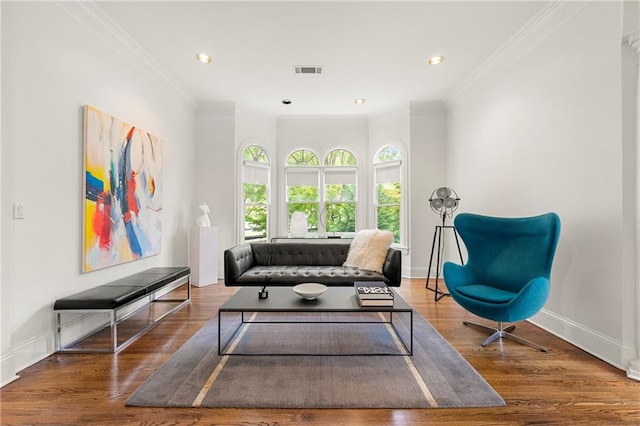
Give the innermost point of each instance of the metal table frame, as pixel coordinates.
(284, 300)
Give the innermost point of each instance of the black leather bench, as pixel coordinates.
(120, 300)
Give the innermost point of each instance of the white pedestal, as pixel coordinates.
(203, 255)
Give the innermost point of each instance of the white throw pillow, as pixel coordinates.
(368, 249)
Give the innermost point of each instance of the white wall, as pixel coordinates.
(7, 361)
(630, 61)
(55, 59)
(255, 127)
(631, 17)
(427, 172)
(323, 134)
(544, 134)
(216, 170)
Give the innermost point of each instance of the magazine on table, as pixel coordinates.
(373, 293)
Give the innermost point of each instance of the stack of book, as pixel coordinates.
(373, 293)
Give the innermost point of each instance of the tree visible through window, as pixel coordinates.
(388, 190)
(303, 157)
(255, 192)
(340, 193)
(326, 194)
(302, 187)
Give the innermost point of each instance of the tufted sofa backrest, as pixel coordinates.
(308, 254)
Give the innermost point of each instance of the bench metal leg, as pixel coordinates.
(114, 331)
(58, 336)
(114, 321)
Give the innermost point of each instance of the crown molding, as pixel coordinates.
(97, 22)
(545, 22)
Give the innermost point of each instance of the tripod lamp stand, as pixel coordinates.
(443, 201)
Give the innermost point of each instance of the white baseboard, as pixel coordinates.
(33, 350)
(24, 355)
(609, 350)
(633, 370)
(7, 369)
(421, 274)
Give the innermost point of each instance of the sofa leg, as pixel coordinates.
(263, 293)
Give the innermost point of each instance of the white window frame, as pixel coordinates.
(262, 171)
(352, 172)
(311, 172)
(390, 168)
(322, 173)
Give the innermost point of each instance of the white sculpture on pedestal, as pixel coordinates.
(298, 227)
(203, 220)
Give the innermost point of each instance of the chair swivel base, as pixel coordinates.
(503, 333)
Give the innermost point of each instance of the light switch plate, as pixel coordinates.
(18, 210)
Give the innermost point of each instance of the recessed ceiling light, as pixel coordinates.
(360, 101)
(286, 101)
(436, 60)
(203, 57)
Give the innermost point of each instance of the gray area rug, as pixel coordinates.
(435, 376)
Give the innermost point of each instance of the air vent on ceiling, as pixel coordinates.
(307, 69)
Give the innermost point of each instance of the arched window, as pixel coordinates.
(340, 157)
(326, 194)
(340, 192)
(303, 157)
(388, 191)
(256, 172)
(302, 182)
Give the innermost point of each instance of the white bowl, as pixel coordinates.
(310, 290)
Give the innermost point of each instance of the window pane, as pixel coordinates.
(310, 210)
(389, 219)
(255, 193)
(303, 157)
(255, 153)
(389, 153)
(340, 192)
(340, 157)
(388, 172)
(340, 175)
(302, 177)
(255, 188)
(388, 177)
(255, 222)
(340, 217)
(389, 193)
(255, 172)
(296, 194)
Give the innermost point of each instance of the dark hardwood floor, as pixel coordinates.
(563, 386)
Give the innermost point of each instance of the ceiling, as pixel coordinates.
(374, 50)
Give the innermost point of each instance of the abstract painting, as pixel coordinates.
(122, 192)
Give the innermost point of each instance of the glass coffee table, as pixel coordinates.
(282, 300)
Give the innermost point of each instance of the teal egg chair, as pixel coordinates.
(507, 274)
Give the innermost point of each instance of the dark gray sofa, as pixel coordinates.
(288, 264)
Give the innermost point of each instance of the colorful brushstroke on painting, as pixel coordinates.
(122, 192)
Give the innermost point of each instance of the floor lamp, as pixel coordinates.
(443, 201)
